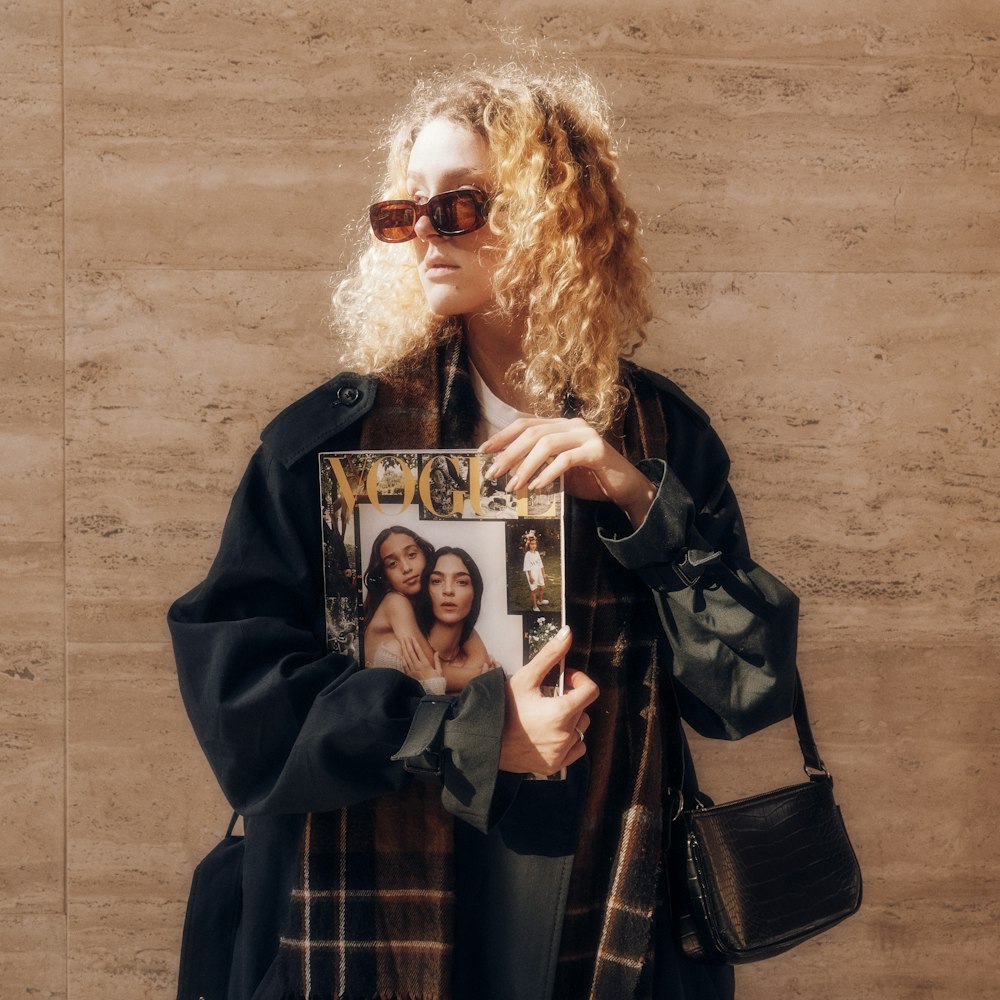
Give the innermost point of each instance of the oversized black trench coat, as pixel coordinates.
(289, 728)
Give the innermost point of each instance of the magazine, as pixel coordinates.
(434, 569)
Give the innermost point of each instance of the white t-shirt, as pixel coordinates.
(533, 568)
(495, 413)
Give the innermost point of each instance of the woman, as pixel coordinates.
(447, 612)
(504, 286)
(392, 580)
(397, 561)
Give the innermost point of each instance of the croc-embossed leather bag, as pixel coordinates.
(755, 877)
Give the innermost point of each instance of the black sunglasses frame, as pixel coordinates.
(437, 209)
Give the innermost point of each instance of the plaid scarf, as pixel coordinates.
(371, 916)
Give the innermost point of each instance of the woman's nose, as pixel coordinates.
(424, 230)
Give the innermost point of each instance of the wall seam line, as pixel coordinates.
(65, 526)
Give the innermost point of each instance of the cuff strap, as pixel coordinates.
(422, 749)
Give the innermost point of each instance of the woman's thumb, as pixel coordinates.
(536, 669)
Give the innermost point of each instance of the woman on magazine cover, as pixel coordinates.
(392, 579)
(451, 596)
(393, 846)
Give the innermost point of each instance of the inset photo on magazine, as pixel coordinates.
(433, 570)
(534, 566)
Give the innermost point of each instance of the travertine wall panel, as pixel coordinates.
(32, 725)
(32, 673)
(33, 955)
(299, 31)
(130, 845)
(226, 205)
(157, 449)
(30, 78)
(819, 185)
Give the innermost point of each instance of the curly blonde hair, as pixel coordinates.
(572, 268)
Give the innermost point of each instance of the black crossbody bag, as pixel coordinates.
(752, 878)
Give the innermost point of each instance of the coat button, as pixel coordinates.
(348, 395)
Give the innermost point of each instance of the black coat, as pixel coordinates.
(289, 728)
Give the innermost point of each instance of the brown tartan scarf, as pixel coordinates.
(372, 914)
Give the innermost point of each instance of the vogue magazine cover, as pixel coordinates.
(436, 570)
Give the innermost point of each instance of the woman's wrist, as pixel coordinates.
(636, 498)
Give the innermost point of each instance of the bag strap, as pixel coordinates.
(674, 743)
(813, 763)
(232, 823)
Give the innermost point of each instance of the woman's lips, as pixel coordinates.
(438, 265)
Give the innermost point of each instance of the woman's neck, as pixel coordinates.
(494, 346)
(446, 640)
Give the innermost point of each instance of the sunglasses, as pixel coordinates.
(452, 213)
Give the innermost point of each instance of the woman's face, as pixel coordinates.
(451, 589)
(456, 272)
(402, 563)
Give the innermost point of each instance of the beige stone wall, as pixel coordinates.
(819, 185)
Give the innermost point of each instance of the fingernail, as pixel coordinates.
(513, 484)
(563, 632)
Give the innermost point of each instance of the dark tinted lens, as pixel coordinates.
(392, 221)
(455, 212)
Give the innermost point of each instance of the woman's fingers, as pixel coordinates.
(550, 457)
(579, 691)
(578, 750)
(577, 742)
(417, 663)
(537, 452)
(406, 648)
(501, 439)
(542, 734)
(528, 445)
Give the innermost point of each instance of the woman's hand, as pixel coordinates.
(591, 468)
(544, 733)
(416, 651)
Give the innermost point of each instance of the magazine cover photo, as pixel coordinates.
(433, 569)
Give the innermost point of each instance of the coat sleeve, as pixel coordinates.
(731, 624)
(288, 727)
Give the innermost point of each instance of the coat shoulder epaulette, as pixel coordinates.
(319, 416)
(664, 384)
